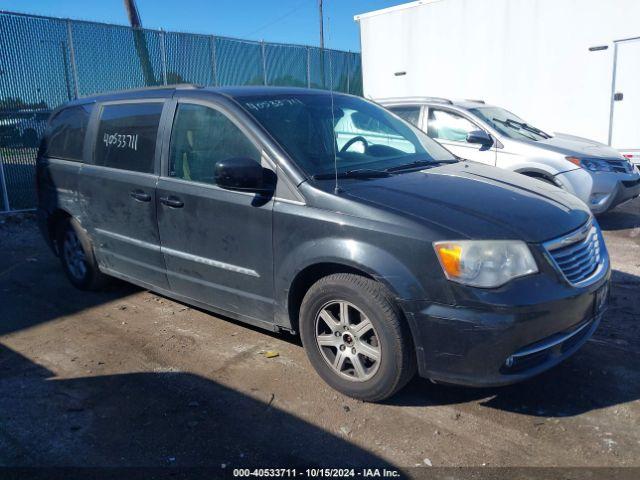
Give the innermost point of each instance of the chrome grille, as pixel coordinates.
(580, 255)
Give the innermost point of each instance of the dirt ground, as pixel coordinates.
(129, 378)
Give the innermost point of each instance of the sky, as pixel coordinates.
(286, 21)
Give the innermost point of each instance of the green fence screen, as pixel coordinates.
(48, 61)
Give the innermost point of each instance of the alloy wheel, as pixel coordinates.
(348, 341)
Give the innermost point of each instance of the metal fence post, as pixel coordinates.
(3, 187)
(72, 53)
(349, 72)
(212, 48)
(264, 63)
(308, 67)
(163, 51)
(65, 65)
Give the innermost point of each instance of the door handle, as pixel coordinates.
(171, 201)
(140, 196)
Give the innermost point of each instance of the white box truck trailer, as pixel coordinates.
(570, 66)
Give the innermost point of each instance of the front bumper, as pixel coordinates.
(513, 335)
(601, 191)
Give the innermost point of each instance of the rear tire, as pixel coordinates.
(77, 258)
(356, 338)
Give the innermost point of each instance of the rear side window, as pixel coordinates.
(65, 134)
(201, 137)
(410, 114)
(127, 136)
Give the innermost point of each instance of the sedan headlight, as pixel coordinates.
(485, 263)
(591, 164)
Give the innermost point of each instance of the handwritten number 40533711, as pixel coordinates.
(120, 140)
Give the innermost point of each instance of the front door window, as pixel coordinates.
(201, 137)
(445, 125)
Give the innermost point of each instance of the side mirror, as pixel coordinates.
(245, 174)
(480, 137)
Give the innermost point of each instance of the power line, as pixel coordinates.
(278, 19)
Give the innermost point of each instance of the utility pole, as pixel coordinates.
(132, 13)
(321, 24)
(321, 15)
(140, 42)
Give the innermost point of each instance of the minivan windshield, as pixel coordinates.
(363, 136)
(509, 124)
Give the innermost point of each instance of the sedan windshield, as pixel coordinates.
(509, 124)
(358, 136)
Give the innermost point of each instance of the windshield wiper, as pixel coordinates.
(529, 128)
(358, 173)
(417, 164)
(510, 122)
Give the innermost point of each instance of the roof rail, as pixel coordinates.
(439, 99)
(413, 100)
(177, 86)
(474, 100)
(185, 85)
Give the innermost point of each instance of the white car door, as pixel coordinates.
(450, 129)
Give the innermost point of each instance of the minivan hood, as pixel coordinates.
(472, 200)
(568, 145)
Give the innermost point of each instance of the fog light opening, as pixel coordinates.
(598, 198)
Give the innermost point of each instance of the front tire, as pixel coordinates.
(76, 254)
(356, 338)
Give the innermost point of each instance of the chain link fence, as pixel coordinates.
(48, 61)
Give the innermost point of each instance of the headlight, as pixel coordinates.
(630, 166)
(485, 263)
(591, 164)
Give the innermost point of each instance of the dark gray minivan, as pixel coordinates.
(384, 251)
